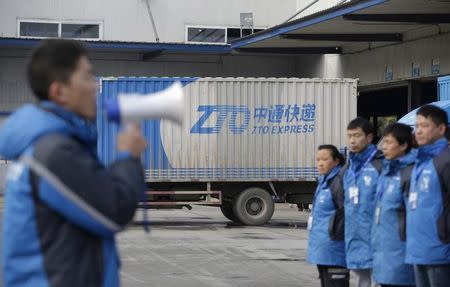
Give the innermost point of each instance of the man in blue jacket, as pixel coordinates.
(428, 206)
(62, 206)
(360, 182)
(388, 229)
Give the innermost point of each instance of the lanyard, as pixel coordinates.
(354, 174)
(418, 168)
(387, 179)
(381, 188)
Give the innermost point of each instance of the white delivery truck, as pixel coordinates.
(244, 142)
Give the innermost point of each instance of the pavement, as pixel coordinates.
(200, 247)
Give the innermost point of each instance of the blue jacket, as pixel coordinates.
(388, 249)
(362, 175)
(322, 250)
(62, 207)
(429, 182)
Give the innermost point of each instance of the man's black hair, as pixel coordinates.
(402, 134)
(362, 123)
(437, 115)
(53, 60)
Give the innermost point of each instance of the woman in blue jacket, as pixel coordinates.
(388, 229)
(326, 246)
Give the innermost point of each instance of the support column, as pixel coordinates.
(415, 97)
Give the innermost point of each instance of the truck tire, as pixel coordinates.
(253, 206)
(227, 211)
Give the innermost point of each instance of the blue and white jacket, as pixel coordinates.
(388, 230)
(62, 206)
(323, 249)
(360, 183)
(428, 207)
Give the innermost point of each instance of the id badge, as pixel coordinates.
(354, 194)
(377, 215)
(310, 222)
(413, 200)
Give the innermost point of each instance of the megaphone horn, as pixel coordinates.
(166, 104)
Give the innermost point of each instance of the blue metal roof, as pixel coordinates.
(332, 13)
(132, 46)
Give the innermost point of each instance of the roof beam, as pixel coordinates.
(147, 56)
(400, 18)
(292, 50)
(383, 37)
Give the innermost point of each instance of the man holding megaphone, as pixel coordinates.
(62, 206)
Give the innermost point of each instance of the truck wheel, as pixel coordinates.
(253, 206)
(227, 211)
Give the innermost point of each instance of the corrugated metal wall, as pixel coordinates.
(3, 163)
(129, 20)
(14, 90)
(400, 57)
(444, 88)
(3, 172)
(237, 128)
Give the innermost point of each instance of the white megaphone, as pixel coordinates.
(166, 104)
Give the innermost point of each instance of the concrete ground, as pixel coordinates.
(202, 248)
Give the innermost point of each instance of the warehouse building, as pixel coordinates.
(398, 49)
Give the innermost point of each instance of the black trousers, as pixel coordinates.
(333, 276)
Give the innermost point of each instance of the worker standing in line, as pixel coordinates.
(428, 206)
(360, 183)
(326, 231)
(388, 230)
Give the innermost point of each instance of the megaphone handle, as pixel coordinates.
(127, 125)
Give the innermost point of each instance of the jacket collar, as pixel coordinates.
(431, 150)
(357, 160)
(84, 130)
(394, 165)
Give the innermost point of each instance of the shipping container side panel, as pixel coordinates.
(240, 128)
(154, 157)
(310, 109)
(235, 148)
(444, 88)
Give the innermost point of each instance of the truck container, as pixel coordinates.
(444, 88)
(244, 141)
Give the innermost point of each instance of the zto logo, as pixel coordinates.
(390, 188)
(274, 119)
(222, 112)
(425, 186)
(367, 180)
(322, 199)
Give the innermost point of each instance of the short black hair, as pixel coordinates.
(53, 60)
(402, 133)
(447, 133)
(362, 123)
(335, 154)
(437, 115)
